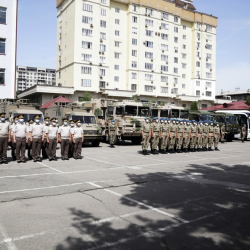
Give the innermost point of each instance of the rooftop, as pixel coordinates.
(59, 99)
(240, 105)
(239, 92)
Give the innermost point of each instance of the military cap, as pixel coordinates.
(211, 121)
(53, 119)
(193, 120)
(146, 118)
(20, 116)
(161, 118)
(2, 115)
(16, 117)
(30, 121)
(78, 120)
(65, 119)
(72, 121)
(46, 118)
(112, 120)
(165, 119)
(36, 116)
(181, 120)
(216, 123)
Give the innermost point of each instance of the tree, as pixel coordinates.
(86, 97)
(194, 106)
(248, 101)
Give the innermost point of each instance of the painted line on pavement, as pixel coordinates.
(8, 241)
(140, 203)
(49, 167)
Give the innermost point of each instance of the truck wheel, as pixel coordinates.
(229, 138)
(95, 143)
(136, 141)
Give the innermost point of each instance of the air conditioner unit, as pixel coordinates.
(91, 26)
(160, 27)
(205, 30)
(153, 70)
(148, 14)
(159, 34)
(167, 83)
(152, 60)
(90, 63)
(200, 58)
(197, 48)
(100, 52)
(152, 81)
(199, 77)
(101, 40)
(101, 76)
(207, 40)
(156, 33)
(103, 52)
(146, 25)
(210, 70)
(174, 85)
(162, 18)
(206, 87)
(166, 62)
(100, 64)
(161, 72)
(154, 87)
(144, 43)
(199, 39)
(162, 51)
(207, 59)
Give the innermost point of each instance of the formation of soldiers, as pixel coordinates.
(177, 135)
(36, 136)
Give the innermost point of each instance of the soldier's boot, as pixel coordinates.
(191, 150)
(216, 149)
(178, 151)
(209, 149)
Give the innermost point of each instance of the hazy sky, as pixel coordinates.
(36, 42)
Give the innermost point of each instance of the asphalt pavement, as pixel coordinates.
(120, 199)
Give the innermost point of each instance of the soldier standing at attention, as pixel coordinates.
(180, 136)
(112, 133)
(71, 144)
(36, 137)
(45, 146)
(20, 137)
(243, 133)
(194, 136)
(216, 136)
(187, 136)
(160, 135)
(29, 146)
(164, 135)
(223, 131)
(155, 131)
(5, 137)
(64, 137)
(200, 136)
(78, 139)
(52, 139)
(211, 136)
(13, 145)
(205, 135)
(146, 135)
(172, 136)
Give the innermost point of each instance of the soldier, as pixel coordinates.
(78, 139)
(180, 136)
(155, 131)
(194, 136)
(12, 144)
(187, 136)
(20, 137)
(64, 137)
(200, 136)
(164, 135)
(223, 131)
(71, 144)
(29, 145)
(45, 146)
(5, 137)
(146, 135)
(211, 136)
(36, 137)
(52, 139)
(243, 133)
(112, 133)
(205, 136)
(172, 136)
(216, 136)
(160, 138)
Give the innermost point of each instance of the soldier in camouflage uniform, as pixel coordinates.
(172, 136)
(205, 135)
(165, 135)
(187, 136)
(200, 136)
(223, 131)
(216, 136)
(180, 130)
(155, 132)
(160, 136)
(146, 135)
(243, 133)
(211, 136)
(112, 133)
(194, 136)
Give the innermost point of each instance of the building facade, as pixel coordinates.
(162, 50)
(240, 95)
(8, 32)
(27, 77)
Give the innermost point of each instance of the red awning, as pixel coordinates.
(48, 105)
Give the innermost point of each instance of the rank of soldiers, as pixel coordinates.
(37, 136)
(177, 135)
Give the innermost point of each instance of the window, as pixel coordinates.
(134, 19)
(149, 11)
(102, 59)
(198, 45)
(164, 26)
(148, 88)
(117, 32)
(2, 46)
(198, 25)
(176, 19)
(175, 80)
(3, 15)
(184, 37)
(164, 68)
(198, 73)
(134, 41)
(2, 76)
(86, 70)
(102, 72)
(164, 47)
(117, 44)
(87, 7)
(117, 55)
(209, 65)
(174, 91)
(103, 1)
(149, 33)
(133, 87)
(208, 75)
(198, 93)
(134, 53)
(184, 46)
(134, 8)
(183, 86)
(176, 70)
(149, 66)
(198, 54)
(176, 29)
(86, 19)
(164, 36)
(209, 28)
(208, 46)
(134, 30)
(103, 12)
(164, 57)
(117, 10)
(116, 78)
(103, 36)
(184, 66)
(209, 37)
(175, 59)
(86, 57)
(86, 32)
(103, 24)
(102, 47)
(203, 106)
(175, 49)
(198, 35)
(149, 44)
(86, 45)
(164, 16)
(184, 76)
(149, 22)
(134, 64)
(133, 75)
(60, 30)
(198, 64)
(208, 93)
(149, 55)
(184, 27)
(208, 84)
(117, 21)
(101, 84)
(164, 79)
(209, 56)
(164, 89)
(116, 67)
(198, 83)
(85, 83)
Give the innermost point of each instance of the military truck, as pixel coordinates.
(14, 107)
(170, 111)
(200, 115)
(82, 111)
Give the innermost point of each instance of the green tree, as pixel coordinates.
(86, 97)
(194, 106)
(135, 99)
(248, 101)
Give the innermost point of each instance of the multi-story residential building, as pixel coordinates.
(27, 77)
(8, 31)
(164, 50)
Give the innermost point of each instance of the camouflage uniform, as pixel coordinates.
(164, 141)
(146, 128)
(194, 138)
(243, 133)
(217, 137)
(187, 130)
(155, 127)
(172, 130)
(211, 136)
(112, 129)
(180, 130)
(223, 134)
(200, 134)
(205, 139)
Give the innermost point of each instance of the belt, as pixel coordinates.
(20, 137)
(64, 138)
(145, 132)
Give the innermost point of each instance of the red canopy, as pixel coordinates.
(48, 105)
(240, 105)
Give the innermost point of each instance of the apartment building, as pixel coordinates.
(8, 30)
(27, 77)
(165, 50)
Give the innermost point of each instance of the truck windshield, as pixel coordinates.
(154, 112)
(184, 114)
(220, 118)
(175, 113)
(206, 118)
(194, 117)
(84, 119)
(231, 119)
(30, 116)
(164, 113)
(131, 110)
(119, 110)
(143, 111)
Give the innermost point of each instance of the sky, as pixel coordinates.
(36, 41)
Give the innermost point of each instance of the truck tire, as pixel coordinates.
(95, 143)
(136, 141)
(229, 137)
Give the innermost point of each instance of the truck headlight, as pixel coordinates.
(100, 131)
